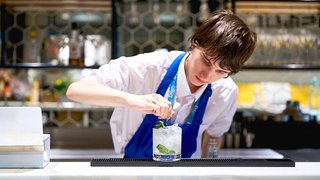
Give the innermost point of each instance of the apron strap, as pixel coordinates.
(190, 131)
(140, 145)
(172, 71)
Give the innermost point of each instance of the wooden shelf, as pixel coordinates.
(275, 7)
(283, 67)
(59, 106)
(45, 66)
(253, 67)
(60, 5)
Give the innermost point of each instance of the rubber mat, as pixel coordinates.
(132, 162)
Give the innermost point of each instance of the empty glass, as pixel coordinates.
(58, 49)
(97, 50)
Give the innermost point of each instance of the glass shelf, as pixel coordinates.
(247, 67)
(42, 65)
(54, 105)
(283, 67)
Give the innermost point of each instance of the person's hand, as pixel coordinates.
(151, 104)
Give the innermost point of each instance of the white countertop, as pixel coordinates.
(83, 170)
(88, 154)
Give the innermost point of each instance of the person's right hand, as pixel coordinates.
(151, 104)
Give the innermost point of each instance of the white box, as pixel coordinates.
(22, 142)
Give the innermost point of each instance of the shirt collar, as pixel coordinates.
(182, 84)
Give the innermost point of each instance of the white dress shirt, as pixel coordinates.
(142, 74)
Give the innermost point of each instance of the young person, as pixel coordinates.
(139, 86)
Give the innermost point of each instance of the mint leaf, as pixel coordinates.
(160, 125)
(162, 149)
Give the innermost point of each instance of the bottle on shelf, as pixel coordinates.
(43, 52)
(1, 89)
(7, 91)
(288, 112)
(35, 92)
(288, 108)
(32, 53)
(232, 137)
(298, 115)
(296, 110)
(5, 87)
(75, 47)
(314, 98)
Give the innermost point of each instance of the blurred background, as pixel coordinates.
(45, 45)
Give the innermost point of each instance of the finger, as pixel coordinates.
(164, 109)
(151, 107)
(158, 106)
(150, 111)
(153, 103)
(162, 99)
(156, 110)
(167, 112)
(164, 104)
(170, 112)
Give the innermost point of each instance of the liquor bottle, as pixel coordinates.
(43, 52)
(314, 98)
(297, 113)
(35, 92)
(32, 53)
(288, 112)
(75, 47)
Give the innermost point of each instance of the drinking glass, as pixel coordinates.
(97, 50)
(167, 143)
(58, 49)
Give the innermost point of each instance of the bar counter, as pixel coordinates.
(75, 164)
(83, 170)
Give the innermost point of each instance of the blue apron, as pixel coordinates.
(140, 145)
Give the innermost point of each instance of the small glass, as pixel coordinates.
(97, 50)
(167, 143)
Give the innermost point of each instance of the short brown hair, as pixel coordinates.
(226, 38)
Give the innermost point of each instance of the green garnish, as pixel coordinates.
(160, 125)
(164, 150)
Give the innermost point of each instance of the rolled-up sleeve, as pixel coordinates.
(140, 74)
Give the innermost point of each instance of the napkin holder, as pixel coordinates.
(22, 142)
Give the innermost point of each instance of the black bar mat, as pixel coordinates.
(132, 162)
